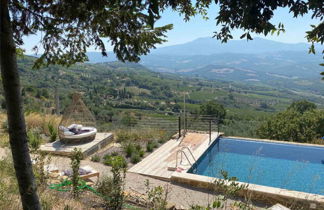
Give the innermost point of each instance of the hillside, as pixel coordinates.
(112, 89)
(257, 62)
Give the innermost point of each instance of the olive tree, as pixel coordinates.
(69, 27)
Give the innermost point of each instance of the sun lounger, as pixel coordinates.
(90, 172)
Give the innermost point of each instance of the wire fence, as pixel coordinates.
(181, 123)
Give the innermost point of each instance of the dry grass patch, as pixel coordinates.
(41, 121)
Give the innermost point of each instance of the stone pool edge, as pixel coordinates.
(275, 141)
(266, 194)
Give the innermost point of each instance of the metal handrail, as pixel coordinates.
(185, 147)
(183, 152)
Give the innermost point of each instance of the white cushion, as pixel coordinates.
(62, 128)
(68, 133)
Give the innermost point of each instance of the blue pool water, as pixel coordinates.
(289, 166)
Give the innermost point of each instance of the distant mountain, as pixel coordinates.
(207, 46)
(257, 61)
(297, 64)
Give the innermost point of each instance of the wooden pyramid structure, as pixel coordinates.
(77, 113)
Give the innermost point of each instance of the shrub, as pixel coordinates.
(129, 149)
(34, 140)
(161, 140)
(41, 159)
(128, 120)
(109, 160)
(135, 158)
(112, 188)
(95, 158)
(156, 197)
(114, 153)
(141, 153)
(138, 147)
(41, 121)
(122, 136)
(52, 131)
(76, 158)
(139, 150)
(151, 145)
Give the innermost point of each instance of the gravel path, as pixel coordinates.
(180, 195)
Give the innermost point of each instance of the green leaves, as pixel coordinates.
(213, 109)
(247, 35)
(301, 122)
(69, 27)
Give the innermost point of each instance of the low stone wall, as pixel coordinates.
(98, 146)
(267, 195)
(87, 149)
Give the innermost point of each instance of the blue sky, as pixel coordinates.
(197, 27)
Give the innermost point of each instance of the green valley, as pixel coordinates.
(114, 90)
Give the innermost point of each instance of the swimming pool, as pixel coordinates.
(289, 166)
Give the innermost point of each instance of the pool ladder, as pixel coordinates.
(182, 152)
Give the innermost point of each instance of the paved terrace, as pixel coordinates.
(156, 164)
(57, 148)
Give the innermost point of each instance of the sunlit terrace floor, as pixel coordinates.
(156, 164)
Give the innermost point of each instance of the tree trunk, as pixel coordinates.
(16, 120)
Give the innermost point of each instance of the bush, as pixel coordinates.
(161, 140)
(95, 158)
(41, 121)
(151, 145)
(41, 159)
(135, 157)
(128, 120)
(52, 131)
(114, 153)
(141, 153)
(122, 136)
(109, 160)
(138, 147)
(34, 140)
(139, 150)
(156, 197)
(291, 125)
(76, 158)
(129, 149)
(112, 188)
